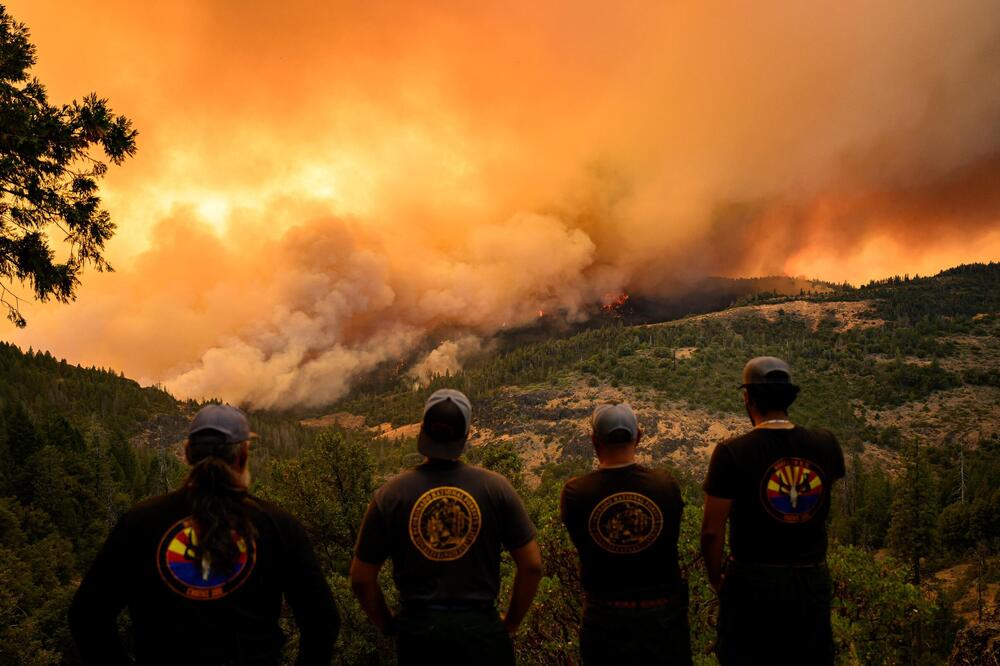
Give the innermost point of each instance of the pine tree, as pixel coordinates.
(912, 529)
(48, 177)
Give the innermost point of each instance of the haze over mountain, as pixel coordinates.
(323, 189)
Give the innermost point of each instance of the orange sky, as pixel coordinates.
(318, 185)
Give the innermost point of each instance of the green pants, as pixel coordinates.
(445, 637)
(775, 615)
(625, 636)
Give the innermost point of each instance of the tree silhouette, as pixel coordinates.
(48, 178)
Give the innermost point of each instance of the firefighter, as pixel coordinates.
(772, 485)
(624, 520)
(203, 570)
(444, 525)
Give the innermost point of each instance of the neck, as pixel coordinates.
(617, 458)
(775, 417)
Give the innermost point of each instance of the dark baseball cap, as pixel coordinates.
(766, 370)
(453, 409)
(607, 419)
(226, 420)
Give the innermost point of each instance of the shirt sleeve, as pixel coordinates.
(839, 468)
(564, 502)
(310, 598)
(721, 478)
(678, 504)
(94, 611)
(373, 540)
(516, 528)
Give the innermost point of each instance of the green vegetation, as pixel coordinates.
(48, 177)
(879, 613)
(78, 446)
(66, 474)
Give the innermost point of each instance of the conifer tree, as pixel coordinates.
(48, 177)
(912, 529)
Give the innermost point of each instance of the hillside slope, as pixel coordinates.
(47, 387)
(880, 365)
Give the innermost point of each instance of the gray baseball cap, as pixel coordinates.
(766, 370)
(606, 419)
(452, 401)
(226, 419)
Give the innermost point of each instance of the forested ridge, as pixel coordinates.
(904, 379)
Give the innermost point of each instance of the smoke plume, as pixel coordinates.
(320, 188)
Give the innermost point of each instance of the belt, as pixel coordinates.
(630, 603)
(735, 565)
(448, 605)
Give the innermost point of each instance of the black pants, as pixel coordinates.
(444, 637)
(775, 615)
(625, 636)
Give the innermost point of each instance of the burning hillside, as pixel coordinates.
(361, 181)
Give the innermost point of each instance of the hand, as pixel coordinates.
(717, 585)
(511, 628)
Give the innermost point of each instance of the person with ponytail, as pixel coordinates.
(203, 571)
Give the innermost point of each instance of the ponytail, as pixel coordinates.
(219, 511)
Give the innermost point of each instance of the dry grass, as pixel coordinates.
(965, 414)
(847, 314)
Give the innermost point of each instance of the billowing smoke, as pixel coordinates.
(319, 189)
(446, 359)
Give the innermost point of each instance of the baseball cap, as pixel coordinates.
(449, 405)
(224, 419)
(766, 370)
(606, 419)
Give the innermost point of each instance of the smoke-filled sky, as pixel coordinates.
(319, 185)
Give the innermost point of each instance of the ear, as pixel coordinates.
(187, 453)
(746, 398)
(638, 436)
(244, 455)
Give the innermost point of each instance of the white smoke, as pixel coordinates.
(446, 359)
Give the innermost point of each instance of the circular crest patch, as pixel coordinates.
(183, 569)
(625, 523)
(792, 490)
(444, 523)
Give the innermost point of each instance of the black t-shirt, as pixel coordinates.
(182, 614)
(779, 481)
(444, 524)
(625, 522)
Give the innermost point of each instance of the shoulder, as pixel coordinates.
(157, 503)
(395, 484)
(493, 481)
(740, 441)
(272, 510)
(822, 436)
(151, 508)
(726, 450)
(662, 476)
(662, 484)
(579, 481)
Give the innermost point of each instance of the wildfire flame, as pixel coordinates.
(613, 304)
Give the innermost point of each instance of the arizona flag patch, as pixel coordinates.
(792, 490)
(185, 571)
